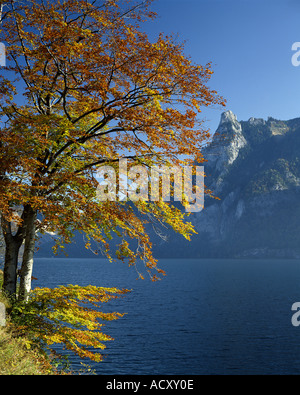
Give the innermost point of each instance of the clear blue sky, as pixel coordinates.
(249, 44)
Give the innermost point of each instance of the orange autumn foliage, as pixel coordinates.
(95, 89)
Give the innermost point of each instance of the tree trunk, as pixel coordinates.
(10, 267)
(12, 248)
(27, 262)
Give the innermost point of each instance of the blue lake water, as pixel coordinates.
(204, 317)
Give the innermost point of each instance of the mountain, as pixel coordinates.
(253, 167)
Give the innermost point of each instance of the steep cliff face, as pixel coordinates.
(224, 149)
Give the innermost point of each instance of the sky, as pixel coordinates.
(249, 43)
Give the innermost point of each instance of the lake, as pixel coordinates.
(205, 317)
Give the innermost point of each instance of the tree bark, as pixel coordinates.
(27, 262)
(12, 248)
(10, 268)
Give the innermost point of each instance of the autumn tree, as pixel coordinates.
(84, 86)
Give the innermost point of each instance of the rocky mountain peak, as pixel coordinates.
(256, 121)
(228, 116)
(226, 144)
(229, 129)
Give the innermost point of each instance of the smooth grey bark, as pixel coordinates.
(29, 247)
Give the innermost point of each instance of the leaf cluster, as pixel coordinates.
(67, 315)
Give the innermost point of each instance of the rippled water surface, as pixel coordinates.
(204, 317)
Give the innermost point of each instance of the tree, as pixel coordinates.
(95, 90)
